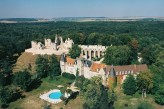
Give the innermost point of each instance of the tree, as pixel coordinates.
(133, 45)
(5, 73)
(104, 102)
(75, 51)
(145, 105)
(92, 39)
(117, 55)
(42, 66)
(129, 85)
(54, 67)
(92, 96)
(159, 95)
(5, 96)
(144, 82)
(96, 95)
(22, 79)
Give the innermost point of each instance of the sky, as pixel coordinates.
(80, 8)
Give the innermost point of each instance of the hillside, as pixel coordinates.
(25, 61)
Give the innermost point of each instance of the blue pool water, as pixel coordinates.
(55, 95)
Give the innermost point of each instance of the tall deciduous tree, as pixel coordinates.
(129, 85)
(22, 79)
(159, 95)
(145, 82)
(117, 55)
(75, 51)
(133, 45)
(5, 95)
(97, 96)
(42, 66)
(54, 67)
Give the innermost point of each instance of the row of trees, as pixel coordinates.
(14, 38)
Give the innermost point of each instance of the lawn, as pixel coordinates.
(32, 100)
(132, 102)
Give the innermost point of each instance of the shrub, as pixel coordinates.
(145, 105)
(159, 95)
(68, 75)
(129, 85)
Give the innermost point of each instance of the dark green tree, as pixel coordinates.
(75, 51)
(104, 102)
(42, 66)
(5, 95)
(5, 73)
(54, 67)
(22, 79)
(129, 85)
(96, 95)
(117, 55)
(159, 95)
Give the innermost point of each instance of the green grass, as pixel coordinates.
(133, 101)
(32, 100)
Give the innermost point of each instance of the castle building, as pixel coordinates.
(92, 51)
(111, 75)
(57, 47)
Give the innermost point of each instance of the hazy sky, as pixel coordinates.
(80, 8)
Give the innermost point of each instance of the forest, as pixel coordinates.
(143, 37)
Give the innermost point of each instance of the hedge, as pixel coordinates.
(68, 75)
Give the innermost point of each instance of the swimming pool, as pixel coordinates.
(55, 95)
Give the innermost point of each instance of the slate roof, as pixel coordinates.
(131, 68)
(112, 72)
(63, 58)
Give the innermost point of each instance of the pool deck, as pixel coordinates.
(46, 97)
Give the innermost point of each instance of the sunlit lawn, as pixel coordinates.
(32, 100)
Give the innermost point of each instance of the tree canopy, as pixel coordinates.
(129, 85)
(117, 55)
(75, 51)
(22, 79)
(144, 82)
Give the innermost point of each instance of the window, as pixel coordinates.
(123, 72)
(129, 72)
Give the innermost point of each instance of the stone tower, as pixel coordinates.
(62, 63)
(80, 66)
(112, 79)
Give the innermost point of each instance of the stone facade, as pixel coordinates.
(92, 51)
(89, 69)
(57, 47)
